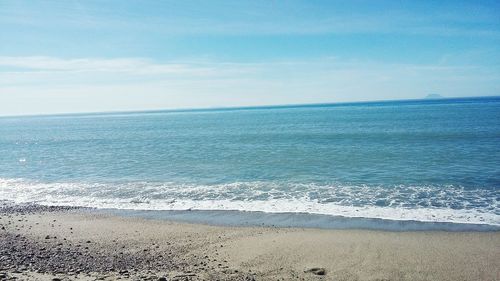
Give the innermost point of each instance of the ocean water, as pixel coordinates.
(422, 160)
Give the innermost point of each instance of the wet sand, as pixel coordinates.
(43, 243)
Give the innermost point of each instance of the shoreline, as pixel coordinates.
(290, 219)
(42, 243)
(239, 218)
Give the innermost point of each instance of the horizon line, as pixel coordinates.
(249, 107)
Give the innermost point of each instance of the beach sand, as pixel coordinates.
(42, 243)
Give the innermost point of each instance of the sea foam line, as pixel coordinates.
(90, 195)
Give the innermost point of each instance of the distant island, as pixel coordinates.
(434, 96)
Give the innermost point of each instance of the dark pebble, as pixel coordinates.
(317, 271)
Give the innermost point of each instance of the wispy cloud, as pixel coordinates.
(184, 83)
(120, 65)
(112, 55)
(259, 18)
(101, 85)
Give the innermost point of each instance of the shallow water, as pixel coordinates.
(429, 160)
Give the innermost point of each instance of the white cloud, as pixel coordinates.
(132, 65)
(48, 85)
(257, 17)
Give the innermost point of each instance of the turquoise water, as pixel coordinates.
(428, 160)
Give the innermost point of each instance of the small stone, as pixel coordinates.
(317, 271)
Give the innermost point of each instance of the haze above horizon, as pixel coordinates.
(95, 56)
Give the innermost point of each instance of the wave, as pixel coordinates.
(419, 203)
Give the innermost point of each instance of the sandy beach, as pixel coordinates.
(50, 243)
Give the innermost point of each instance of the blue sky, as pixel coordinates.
(81, 56)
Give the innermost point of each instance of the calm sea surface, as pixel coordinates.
(432, 160)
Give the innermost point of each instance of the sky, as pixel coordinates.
(92, 56)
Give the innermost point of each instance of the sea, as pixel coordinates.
(434, 162)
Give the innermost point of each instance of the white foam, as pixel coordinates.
(145, 196)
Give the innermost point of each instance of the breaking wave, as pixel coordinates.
(420, 203)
